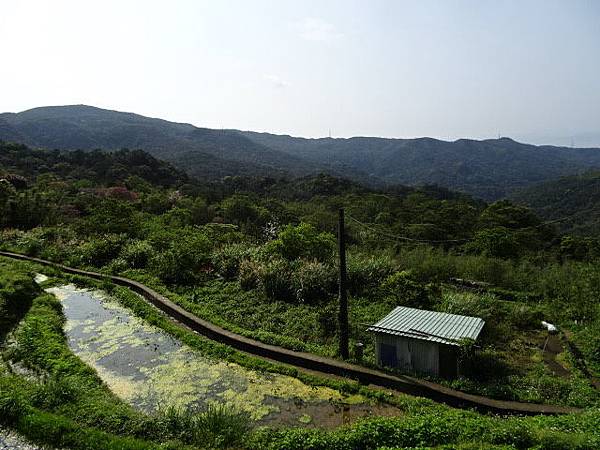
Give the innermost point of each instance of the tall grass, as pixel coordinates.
(217, 426)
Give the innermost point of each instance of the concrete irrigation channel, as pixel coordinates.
(323, 365)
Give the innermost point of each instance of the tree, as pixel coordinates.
(504, 214)
(303, 241)
(497, 242)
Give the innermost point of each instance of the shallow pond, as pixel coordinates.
(151, 370)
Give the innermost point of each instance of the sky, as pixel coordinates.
(448, 69)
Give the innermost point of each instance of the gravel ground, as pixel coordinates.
(11, 441)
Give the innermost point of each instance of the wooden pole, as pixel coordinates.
(343, 307)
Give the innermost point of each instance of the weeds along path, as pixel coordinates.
(327, 366)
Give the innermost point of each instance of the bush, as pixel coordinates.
(572, 289)
(407, 292)
(17, 291)
(302, 241)
(216, 427)
(54, 393)
(220, 427)
(497, 242)
(275, 279)
(525, 317)
(227, 260)
(313, 281)
(101, 250)
(480, 365)
(137, 254)
(497, 327)
(366, 272)
(249, 274)
(185, 259)
(428, 263)
(32, 242)
(11, 409)
(589, 339)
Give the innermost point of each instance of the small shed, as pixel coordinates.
(417, 340)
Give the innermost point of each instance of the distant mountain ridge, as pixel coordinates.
(202, 152)
(488, 169)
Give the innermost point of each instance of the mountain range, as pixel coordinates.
(488, 169)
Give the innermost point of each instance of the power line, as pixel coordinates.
(564, 218)
(406, 238)
(441, 241)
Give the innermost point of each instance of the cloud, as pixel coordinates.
(315, 29)
(277, 81)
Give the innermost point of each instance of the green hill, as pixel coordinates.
(104, 168)
(574, 202)
(489, 169)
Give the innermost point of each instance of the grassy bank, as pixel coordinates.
(47, 408)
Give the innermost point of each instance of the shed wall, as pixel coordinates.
(411, 354)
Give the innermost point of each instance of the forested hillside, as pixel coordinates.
(573, 202)
(97, 167)
(488, 169)
(201, 152)
(257, 256)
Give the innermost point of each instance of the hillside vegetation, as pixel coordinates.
(488, 169)
(573, 202)
(257, 256)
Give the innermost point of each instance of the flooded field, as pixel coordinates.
(151, 370)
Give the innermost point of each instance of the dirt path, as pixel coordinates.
(553, 348)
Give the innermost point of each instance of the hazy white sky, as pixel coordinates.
(447, 69)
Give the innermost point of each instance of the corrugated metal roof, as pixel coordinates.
(429, 325)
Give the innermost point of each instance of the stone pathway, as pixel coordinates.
(9, 440)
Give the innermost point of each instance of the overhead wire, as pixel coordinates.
(441, 241)
(406, 238)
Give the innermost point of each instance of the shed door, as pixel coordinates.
(448, 361)
(387, 354)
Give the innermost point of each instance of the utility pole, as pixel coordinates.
(343, 307)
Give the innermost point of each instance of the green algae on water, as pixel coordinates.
(151, 370)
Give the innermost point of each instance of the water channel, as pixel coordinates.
(151, 370)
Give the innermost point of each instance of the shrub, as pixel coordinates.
(275, 279)
(32, 242)
(314, 281)
(116, 266)
(242, 210)
(11, 409)
(589, 339)
(101, 250)
(219, 426)
(367, 272)
(137, 254)
(184, 260)
(525, 317)
(497, 328)
(17, 290)
(302, 241)
(227, 260)
(54, 393)
(480, 365)
(428, 263)
(407, 292)
(249, 274)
